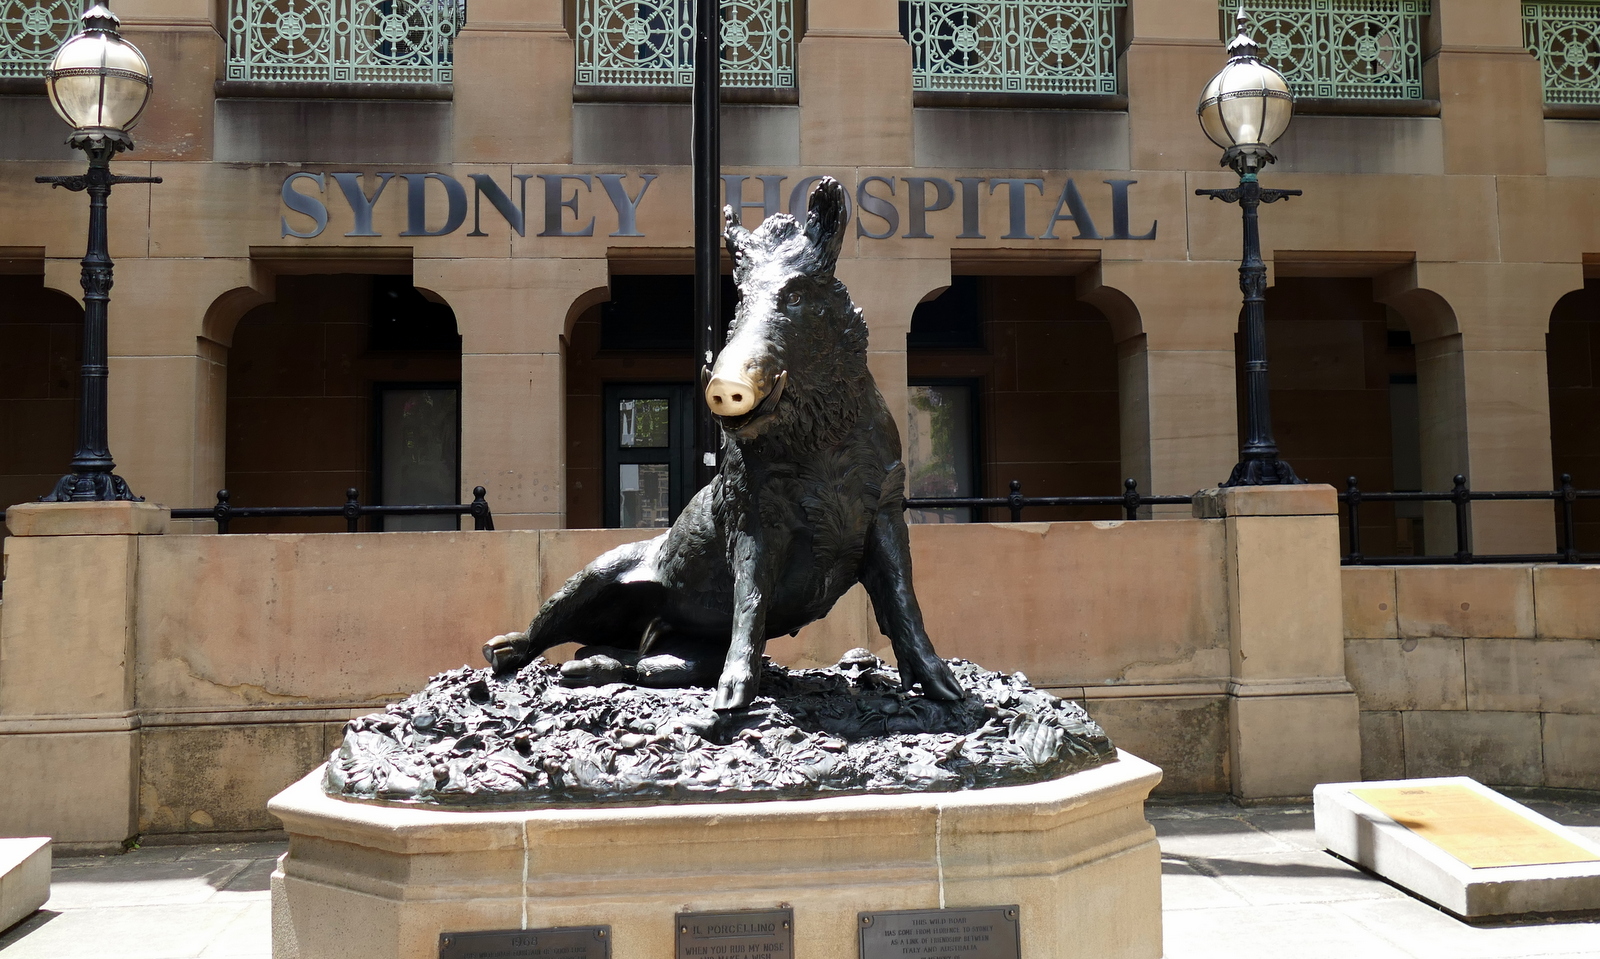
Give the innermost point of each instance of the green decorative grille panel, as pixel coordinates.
(346, 41)
(651, 43)
(1347, 49)
(1566, 39)
(32, 30)
(1013, 46)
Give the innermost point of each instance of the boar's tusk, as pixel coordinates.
(705, 377)
(777, 389)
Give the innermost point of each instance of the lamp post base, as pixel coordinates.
(90, 488)
(1273, 472)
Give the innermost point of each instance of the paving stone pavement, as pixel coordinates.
(1236, 884)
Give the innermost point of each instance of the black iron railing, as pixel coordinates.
(1461, 497)
(1130, 501)
(352, 511)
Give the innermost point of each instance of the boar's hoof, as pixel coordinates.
(597, 670)
(938, 682)
(736, 690)
(507, 652)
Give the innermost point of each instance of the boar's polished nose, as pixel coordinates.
(732, 395)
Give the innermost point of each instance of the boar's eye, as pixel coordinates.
(793, 298)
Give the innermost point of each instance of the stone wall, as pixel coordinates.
(1483, 671)
(181, 681)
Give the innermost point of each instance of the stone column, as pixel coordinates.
(69, 736)
(855, 86)
(1484, 390)
(1292, 717)
(1493, 116)
(185, 45)
(513, 51)
(888, 292)
(513, 314)
(1174, 49)
(1175, 326)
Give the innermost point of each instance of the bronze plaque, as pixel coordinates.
(743, 934)
(569, 942)
(981, 932)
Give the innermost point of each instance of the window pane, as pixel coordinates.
(644, 423)
(646, 489)
(939, 450)
(419, 455)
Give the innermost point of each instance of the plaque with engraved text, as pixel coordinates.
(982, 932)
(744, 934)
(569, 942)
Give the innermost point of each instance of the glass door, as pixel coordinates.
(419, 443)
(649, 447)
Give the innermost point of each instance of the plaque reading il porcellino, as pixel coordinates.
(568, 942)
(980, 932)
(736, 935)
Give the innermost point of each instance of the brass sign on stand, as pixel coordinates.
(568, 942)
(983, 932)
(741, 934)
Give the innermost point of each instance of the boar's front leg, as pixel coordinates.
(753, 576)
(886, 573)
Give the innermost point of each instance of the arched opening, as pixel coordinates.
(1343, 376)
(344, 381)
(41, 349)
(631, 399)
(1572, 352)
(1012, 378)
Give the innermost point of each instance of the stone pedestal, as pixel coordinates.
(69, 733)
(1293, 717)
(364, 881)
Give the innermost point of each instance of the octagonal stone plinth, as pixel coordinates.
(365, 881)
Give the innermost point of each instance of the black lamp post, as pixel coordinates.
(1246, 107)
(99, 83)
(707, 159)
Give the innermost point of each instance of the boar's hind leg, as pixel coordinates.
(886, 573)
(608, 603)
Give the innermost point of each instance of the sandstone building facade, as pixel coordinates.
(481, 209)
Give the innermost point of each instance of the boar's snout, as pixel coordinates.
(735, 393)
(739, 381)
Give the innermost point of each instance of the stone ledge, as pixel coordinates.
(118, 518)
(1318, 499)
(24, 878)
(1360, 833)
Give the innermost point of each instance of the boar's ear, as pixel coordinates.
(736, 236)
(825, 221)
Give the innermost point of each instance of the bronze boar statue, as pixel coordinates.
(807, 503)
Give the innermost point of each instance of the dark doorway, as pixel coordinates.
(41, 349)
(344, 381)
(1343, 377)
(1034, 371)
(631, 401)
(1573, 354)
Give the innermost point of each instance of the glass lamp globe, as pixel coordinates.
(98, 81)
(1246, 106)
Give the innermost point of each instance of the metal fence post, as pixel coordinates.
(1568, 497)
(1015, 501)
(1353, 498)
(481, 518)
(221, 510)
(1462, 497)
(1130, 499)
(352, 509)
